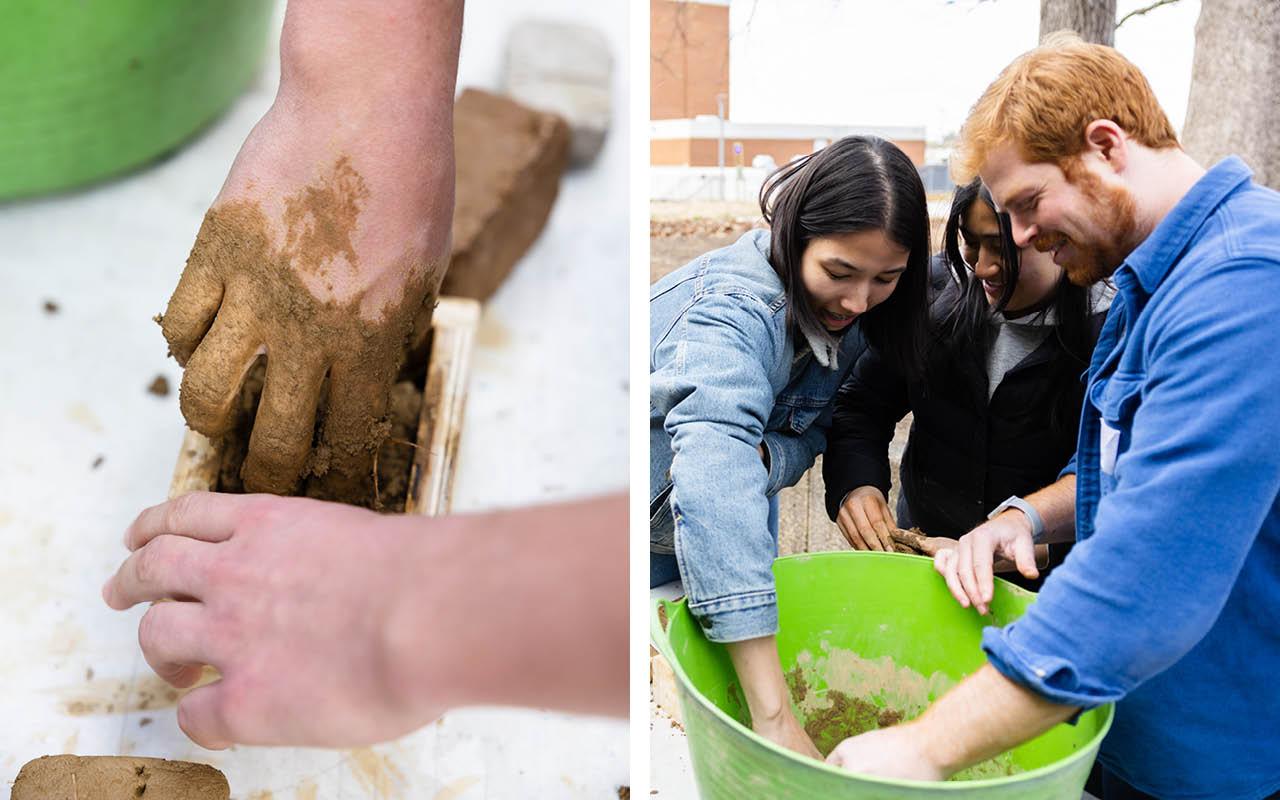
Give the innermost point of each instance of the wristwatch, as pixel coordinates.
(1037, 524)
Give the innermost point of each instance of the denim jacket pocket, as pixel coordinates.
(662, 528)
(796, 414)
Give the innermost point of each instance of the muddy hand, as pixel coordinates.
(889, 753)
(865, 520)
(321, 269)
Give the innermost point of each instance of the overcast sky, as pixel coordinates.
(916, 62)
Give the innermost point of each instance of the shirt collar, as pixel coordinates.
(825, 347)
(1151, 260)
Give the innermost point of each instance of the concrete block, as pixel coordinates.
(565, 69)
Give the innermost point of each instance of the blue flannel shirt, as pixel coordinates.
(1169, 605)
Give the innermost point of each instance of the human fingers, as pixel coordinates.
(207, 516)
(849, 527)
(932, 545)
(836, 757)
(983, 554)
(202, 716)
(1024, 556)
(191, 308)
(945, 565)
(878, 516)
(214, 373)
(965, 572)
(168, 567)
(175, 639)
(359, 387)
(865, 529)
(285, 422)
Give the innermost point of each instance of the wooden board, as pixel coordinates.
(444, 398)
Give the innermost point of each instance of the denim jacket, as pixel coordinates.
(726, 376)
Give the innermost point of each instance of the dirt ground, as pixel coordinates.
(680, 232)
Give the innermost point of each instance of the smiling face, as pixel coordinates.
(980, 247)
(847, 274)
(1084, 219)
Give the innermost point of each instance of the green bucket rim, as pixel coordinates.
(658, 637)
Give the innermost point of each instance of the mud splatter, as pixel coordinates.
(377, 773)
(320, 220)
(845, 717)
(80, 414)
(797, 684)
(305, 791)
(839, 694)
(455, 789)
(159, 386)
(115, 696)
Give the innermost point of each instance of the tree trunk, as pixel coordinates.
(1094, 20)
(1234, 104)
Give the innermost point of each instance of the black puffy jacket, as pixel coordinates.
(965, 454)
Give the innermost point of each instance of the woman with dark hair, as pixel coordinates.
(996, 409)
(748, 346)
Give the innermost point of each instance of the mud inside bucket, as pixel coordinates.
(866, 640)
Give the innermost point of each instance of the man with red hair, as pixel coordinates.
(1168, 604)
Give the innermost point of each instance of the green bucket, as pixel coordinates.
(90, 89)
(865, 638)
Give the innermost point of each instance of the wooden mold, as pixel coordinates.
(453, 329)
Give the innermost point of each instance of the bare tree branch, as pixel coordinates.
(1140, 11)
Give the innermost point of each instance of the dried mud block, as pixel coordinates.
(508, 159)
(663, 680)
(117, 778)
(509, 162)
(566, 69)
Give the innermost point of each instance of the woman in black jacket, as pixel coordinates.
(996, 411)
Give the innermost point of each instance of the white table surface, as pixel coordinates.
(546, 419)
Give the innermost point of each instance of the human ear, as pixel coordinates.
(1105, 139)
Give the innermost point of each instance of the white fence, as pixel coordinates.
(704, 183)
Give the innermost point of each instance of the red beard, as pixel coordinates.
(1112, 212)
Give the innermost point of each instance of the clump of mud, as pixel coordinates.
(839, 694)
(845, 716)
(394, 456)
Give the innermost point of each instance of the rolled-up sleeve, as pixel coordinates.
(1199, 476)
(791, 455)
(712, 384)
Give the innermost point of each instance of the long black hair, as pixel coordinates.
(854, 184)
(968, 323)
